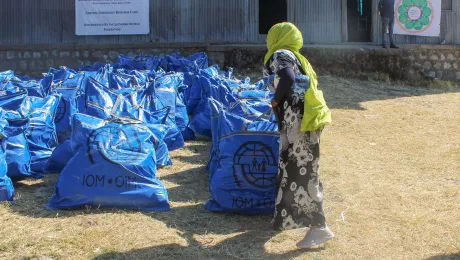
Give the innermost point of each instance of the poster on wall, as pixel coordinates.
(418, 17)
(111, 17)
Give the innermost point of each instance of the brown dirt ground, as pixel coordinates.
(390, 166)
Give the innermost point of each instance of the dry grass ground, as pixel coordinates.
(391, 169)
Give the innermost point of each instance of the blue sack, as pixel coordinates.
(118, 81)
(41, 134)
(18, 155)
(158, 118)
(60, 157)
(245, 165)
(63, 152)
(104, 103)
(6, 76)
(6, 186)
(60, 74)
(201, 121)
(114, 167)
(69, 89)
(166, 88)
(34, 88)
(141, 62)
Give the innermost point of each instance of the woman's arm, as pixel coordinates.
(287, 78)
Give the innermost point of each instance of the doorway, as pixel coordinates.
(271, 12)
(359, 17)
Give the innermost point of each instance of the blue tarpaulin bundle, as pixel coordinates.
(35, 88)
(243, 165)
(114, 166)
(6, 186)
(41, 133)
(18, 153)
(166, 94)
(69, 90)
(107, 128)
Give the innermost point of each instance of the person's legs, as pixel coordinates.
(319, 232)
(391, 28)
(385, 22)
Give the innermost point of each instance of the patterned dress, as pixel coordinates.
(299, 201)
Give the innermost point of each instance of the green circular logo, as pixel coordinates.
(415, 15)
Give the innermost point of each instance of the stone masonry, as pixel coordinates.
(411, 63)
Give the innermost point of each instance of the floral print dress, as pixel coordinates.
(299, 201)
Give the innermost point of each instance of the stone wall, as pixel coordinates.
(409, 63)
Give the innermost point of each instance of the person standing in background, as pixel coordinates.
(387, 11)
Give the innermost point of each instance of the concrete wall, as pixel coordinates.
(410, 63)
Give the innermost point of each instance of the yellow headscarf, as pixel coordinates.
(286, 36)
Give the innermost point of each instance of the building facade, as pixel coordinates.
(44, 22)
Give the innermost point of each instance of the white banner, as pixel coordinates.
(418, 17)
(111, 17)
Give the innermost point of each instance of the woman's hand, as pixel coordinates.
(274, 103)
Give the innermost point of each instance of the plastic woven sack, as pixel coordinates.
(60, 157)
(34, 88)
(103, 102)
(63, 152)
(201, 121)
(141, 62)
(244, 172)
(18, 156)
(114, 167)
(69, 89)
(5, 76)
(41, 134)
(6, 186)
(119, 81)
(166, 88)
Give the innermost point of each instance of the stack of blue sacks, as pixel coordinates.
(107, 128)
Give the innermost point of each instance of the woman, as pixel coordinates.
(304, 114)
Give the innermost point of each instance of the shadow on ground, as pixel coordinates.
(454, 256)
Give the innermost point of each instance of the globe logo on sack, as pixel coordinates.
(257, 163)
(60, 111)
(115, 145)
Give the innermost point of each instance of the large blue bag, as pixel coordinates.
(103, 102)
(118, 81)
(69, 89)
(60, 157)
(6, 186)
(5, 76)
(18, 156)
(139, 62)
(60, 74)
(114, 167)
(158, 117)
(244, 165)
(41, 134)
(166, 88)
(63, 152)
(201, 121)
(34, 88)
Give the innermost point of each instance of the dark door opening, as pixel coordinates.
(271, 12)
(359, 16)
